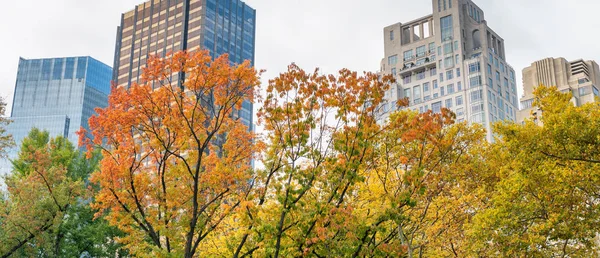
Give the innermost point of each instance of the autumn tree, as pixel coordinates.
(40, 192)
(545, 202)
(176, 156)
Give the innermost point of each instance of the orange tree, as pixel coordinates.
(176, 154)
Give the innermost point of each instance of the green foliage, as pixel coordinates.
(46, 210)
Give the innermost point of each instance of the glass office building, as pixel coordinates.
(160, 27)
(58, 95)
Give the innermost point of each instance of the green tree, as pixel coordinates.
(46, 210)
(545, 202)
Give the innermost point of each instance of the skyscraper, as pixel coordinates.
(578, 77)
(159, 27)
(451, 59)
(58, 95)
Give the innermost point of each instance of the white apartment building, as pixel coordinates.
(450, 59)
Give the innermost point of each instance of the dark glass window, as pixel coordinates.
(46, 69)
(69, 67)
(81, 65)
(58, 68)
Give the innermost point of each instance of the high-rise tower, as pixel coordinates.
(160, 27)
(450, 59)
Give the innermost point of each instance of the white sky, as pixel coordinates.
(331, 34)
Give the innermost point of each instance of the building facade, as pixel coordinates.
(160, 27)
(452, 59)
(58, 95)
(578, 77)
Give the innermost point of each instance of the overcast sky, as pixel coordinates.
(330, 34)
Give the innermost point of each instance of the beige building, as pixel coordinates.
(450, 59)
(578, 77)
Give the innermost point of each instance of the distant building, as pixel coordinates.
(579, 77)
(159, 27)
(450, 59)
(58, 95)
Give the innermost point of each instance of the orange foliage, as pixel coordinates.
(176, 154)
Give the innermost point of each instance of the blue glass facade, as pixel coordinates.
(230, 29)
(58, 95)
(160, 27)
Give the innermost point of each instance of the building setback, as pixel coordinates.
(578, 77)
(450, 59)
(58, 95)
(160, 27)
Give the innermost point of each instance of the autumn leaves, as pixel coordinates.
(176, 175)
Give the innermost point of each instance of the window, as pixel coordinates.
(582, 80)
(407, 93)
(506, 83)
(435, 84)
(475, 81)
(405, 35)
(426, 32)
(432, 72)
(456, 45)
(46, 69)
(425, 87)
(69, 68)
(490, 83)
(58, 69)
(449, 75)
(436, 107)
(441, 77)
(449, 3)
(421, 75)
(477, 108)
(408, 55)
(427, 98)
(474, 68)
(498, 77)
(391, 34)
(394, 72)
(489, 69)
(459, 86)
(393, 60)
(476, 96)
(595, 91)
(457, 59)
(457, 72)
(81, 67)
(442, 93)
(421, 51)
(448, 103)
(436, 95)
(459, 100)
(439, 53)
(460, 112)
(439, 5)
(502, 68)
(420, 62)
(448, 62)
(416, 33)
(406, 79)
(496, 62)
(448, 48)
(417, 93)
(585, 90)
(446, 28)
(450, 88)
(432, 47)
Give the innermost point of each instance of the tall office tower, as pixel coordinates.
(578, 77)
(159, 27)
(451, 59)
(58, 95)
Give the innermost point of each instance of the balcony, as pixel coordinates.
(412, 66)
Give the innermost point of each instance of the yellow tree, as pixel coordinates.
(176, 154)
(319, 131)
(545, 202)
